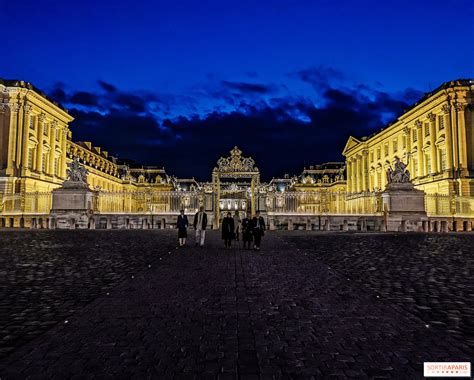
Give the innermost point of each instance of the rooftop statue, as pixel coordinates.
(399, 174)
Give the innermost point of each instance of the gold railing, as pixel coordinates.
(147, 201)
(318, 203)
(26, 203)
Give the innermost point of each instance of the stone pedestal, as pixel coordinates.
(404, 207)
(72, 206)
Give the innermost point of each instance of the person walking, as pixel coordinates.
(228, 230)
(182, 226)
(247, 232)
(258, 230)
(236, 225)
(200, 224)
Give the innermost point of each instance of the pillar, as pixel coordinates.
(39, 150)
(411, 164)
(13, 112)
(348, 175)
(419, 147)
(63, 140)
(354, 177)
(20, 133)
(448, 136)
(462, 138)
(52, 144)
(358, 176)
(454, 136)
(433, 150)
(26, 127)
(365, 187)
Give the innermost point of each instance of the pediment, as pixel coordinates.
(351, 143)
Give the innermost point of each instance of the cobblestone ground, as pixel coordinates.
(215, 313)
(429, 275)
(45, 276)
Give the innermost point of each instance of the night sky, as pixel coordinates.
(179, 83)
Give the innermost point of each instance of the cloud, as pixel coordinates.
(244, 87)
(84, 98)
(319, 77)
(187, 133)
(107, 86)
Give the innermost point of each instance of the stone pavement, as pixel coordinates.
(429, 275)
(215, 313)
(45, 276)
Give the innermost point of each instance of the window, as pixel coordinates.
(404, 142)
(371, 156)
(442, 158)
(378, 153)
(31, 152)
(57, 135)
(428, 163)
(45, 129)
(440, 122)
(32, 122)
(427, 129)
(44, 164)
(415, 135)
(395, 146)
(55, 166)
(415, 167)
(385, 150)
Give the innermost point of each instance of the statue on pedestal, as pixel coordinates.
(76, 172)
(399, 174)
(76, 175)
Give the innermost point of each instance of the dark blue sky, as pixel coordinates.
(178, 83)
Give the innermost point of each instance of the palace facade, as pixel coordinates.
(435, 137)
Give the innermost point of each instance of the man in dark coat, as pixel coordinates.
(247, 228)
(182, 226)
(228, 230)
(258, 224)
(200, 224)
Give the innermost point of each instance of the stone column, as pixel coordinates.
(354, 175)
(348, 175)
(62, 138)
(433, 150)
(13, 108)
(365, 187)
(462, 138)
(25, 144)
(448, 136)
(419, 147)
(52, 144)
(454, 135)
(39, 149)
(408, 147)
(357, 174)
(20, 132)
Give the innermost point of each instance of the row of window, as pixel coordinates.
(376, 178)
(45, 160)
(386, 152)
(46, 127)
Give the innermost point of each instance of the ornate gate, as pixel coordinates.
(234, 167)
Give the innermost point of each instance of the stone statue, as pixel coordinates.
(76, 172)
(399, 174)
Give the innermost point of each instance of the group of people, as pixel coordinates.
(252, 229)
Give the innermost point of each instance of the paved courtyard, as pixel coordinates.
(128, 304)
